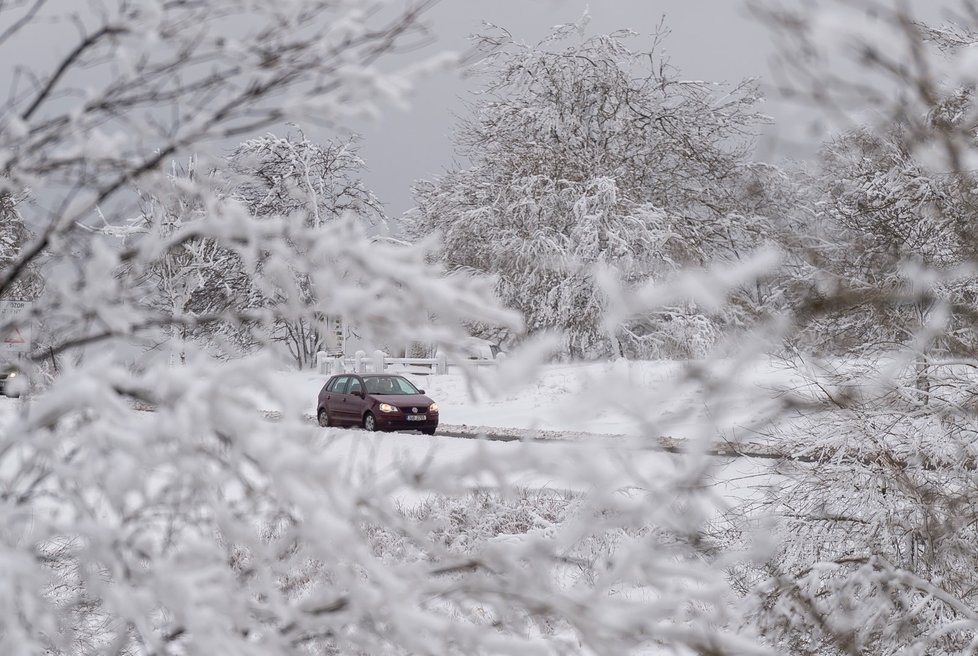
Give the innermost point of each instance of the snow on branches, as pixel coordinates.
(312, 184)
(876, 526)
(292, 175)
(587, 153)
(148, 506)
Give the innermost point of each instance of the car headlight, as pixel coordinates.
(12, 374)
(387, 407)
(433, 407)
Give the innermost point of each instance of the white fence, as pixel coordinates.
(379, 362)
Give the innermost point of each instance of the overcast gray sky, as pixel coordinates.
(715, 40)
(710, 39)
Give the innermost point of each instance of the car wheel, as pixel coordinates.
(428, 431)
(324, 419)
(369, 422)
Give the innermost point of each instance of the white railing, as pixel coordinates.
(379, 361)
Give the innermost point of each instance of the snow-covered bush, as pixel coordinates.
(876, 516)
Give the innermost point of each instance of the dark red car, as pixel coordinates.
(376, 402)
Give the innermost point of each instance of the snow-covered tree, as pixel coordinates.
(875, 508)
(878, 218)
(584, 155)
(197, 278)
(312, 183)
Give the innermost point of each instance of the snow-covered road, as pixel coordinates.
(380, 456)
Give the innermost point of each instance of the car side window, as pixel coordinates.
(338, 384)
(354, 385)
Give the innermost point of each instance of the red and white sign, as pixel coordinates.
(18, 339)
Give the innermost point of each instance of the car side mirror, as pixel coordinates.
(357, 393)
(420, 391)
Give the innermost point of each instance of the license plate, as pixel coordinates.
(416, 417)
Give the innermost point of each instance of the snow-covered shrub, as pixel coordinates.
(568, 547)
(463, 524)
(876, 517)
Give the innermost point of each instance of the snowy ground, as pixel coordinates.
(384, 456)
(641, 399)
(579, 398)
(630, 398)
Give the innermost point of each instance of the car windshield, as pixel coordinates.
(389, 385)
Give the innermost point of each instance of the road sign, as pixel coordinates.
(19, 339)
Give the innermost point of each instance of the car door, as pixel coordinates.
(335, 398)
(355, 405)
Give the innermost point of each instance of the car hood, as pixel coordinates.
(404, 399)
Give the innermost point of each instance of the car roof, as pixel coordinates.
(367, 375)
